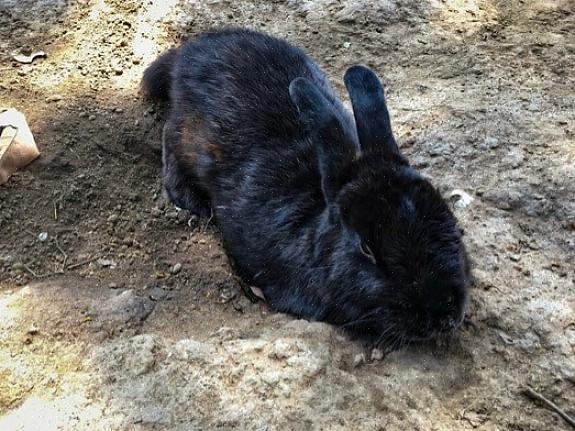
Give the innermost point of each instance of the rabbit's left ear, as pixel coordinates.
(334, 144)
(370, 111)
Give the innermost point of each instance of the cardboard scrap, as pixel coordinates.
(28, 59)
(17, 145)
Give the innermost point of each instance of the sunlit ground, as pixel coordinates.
(45, 376)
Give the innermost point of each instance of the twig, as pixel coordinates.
(208, 222)
(63, 252)
(50, 274)
(84, 262)
(27, 268)
(33, 274)
(56, 203)
(530, 393)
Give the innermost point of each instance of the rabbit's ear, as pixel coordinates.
(334, 144)
(370, 111)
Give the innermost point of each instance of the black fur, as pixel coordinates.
(257, 135)
(370, 111)
(158, 76)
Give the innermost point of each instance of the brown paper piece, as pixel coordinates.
(17, 145)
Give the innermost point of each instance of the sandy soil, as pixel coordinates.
(128, 315)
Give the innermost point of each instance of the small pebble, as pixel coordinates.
(106, 263)
(176, 268)
(172, 215)
(23, 71)
(33, 330)
(515, 257)
(376, 355)
(182, 216)
(157, 294)
(42, 236)
(490, 143)
(226, 295)
(192, 220)
(54, 98)
(358, 360)
(460, 198)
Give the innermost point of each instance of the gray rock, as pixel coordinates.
(125, 307)
(152, 415)
(139, 356)
(193, 351)
(283, 348)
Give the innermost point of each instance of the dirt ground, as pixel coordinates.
(128, 315)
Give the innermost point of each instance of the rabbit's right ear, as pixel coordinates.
(370, 111)
(335, 146)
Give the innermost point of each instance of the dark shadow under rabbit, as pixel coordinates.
(317, 206)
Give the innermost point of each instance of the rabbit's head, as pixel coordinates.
(399, 266)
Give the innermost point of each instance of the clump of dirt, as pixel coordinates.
(119, 312)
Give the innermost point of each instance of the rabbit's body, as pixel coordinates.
(275, 157)
(238, 142)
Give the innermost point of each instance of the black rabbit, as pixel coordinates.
(317, 207)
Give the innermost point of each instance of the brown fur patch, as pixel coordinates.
(194, 138)
(214, 149)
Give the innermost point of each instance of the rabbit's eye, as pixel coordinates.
(367, 252)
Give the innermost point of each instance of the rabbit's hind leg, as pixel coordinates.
(181, 184)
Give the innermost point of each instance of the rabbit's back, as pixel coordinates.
(237, 81)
